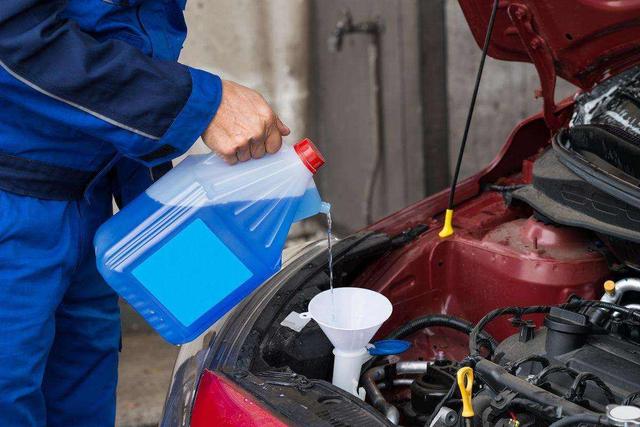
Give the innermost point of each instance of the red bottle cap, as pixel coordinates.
(309, 154)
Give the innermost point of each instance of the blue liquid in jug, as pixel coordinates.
(182, 268)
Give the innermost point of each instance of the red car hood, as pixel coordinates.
(582, 41)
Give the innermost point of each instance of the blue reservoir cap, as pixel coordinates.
(389, 347)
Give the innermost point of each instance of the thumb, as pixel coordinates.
(282, 128)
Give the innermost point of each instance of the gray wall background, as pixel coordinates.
(279, 47)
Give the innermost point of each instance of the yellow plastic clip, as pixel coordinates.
(465, 383)
(447, 228)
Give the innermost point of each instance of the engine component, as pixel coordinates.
(446, 417)
(498, 378)
(565, 198)
(566, 331)
(571, 357)
(591, 176)
(623, 415)
(428, 395)
(465, 384)
(603, 156)
(380, 373)
(615, 291)
(571, 370)
(428, 390)
(580, 420)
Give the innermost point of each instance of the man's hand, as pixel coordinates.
(245, 126)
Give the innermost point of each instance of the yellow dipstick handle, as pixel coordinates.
(465, 383)
(447, 228)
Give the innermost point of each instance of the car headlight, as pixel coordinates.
(195, 356)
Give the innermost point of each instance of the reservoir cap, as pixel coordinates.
(309, 154)
(389, 347)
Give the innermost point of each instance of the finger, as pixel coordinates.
(282, 128)
(257, 149)
(226, 151)
(243, 154)
(261, 133)
(230, 160)
(274, 142)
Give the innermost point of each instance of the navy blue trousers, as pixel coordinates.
(59, 321)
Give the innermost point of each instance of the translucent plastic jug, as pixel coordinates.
(206, 235)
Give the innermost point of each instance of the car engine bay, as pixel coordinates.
(534, 362)
(537, 292)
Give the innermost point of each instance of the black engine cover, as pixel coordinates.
(569, 340)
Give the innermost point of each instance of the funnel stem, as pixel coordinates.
(346, 369)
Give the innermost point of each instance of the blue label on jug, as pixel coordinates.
(192, 272)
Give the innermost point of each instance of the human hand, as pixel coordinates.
(244, 126)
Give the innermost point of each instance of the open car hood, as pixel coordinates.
(582, 41)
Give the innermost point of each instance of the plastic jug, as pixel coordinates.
(204, 236)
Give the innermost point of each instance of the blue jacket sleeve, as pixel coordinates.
(150, 110)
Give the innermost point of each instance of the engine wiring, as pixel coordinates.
(576, 391)
(631, 398)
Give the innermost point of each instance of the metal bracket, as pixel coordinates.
(540, 54)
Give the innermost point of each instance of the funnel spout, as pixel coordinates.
(346, 369)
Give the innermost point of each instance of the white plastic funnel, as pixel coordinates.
(349, 317)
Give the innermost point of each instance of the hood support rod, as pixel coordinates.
(447, 229)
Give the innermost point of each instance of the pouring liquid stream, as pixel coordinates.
(326, 209)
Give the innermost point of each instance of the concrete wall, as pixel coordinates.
(261, 44)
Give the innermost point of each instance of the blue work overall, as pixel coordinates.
(92, 105)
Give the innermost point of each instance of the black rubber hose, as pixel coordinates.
(605, 305)
(438, 320)
(580, 419)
